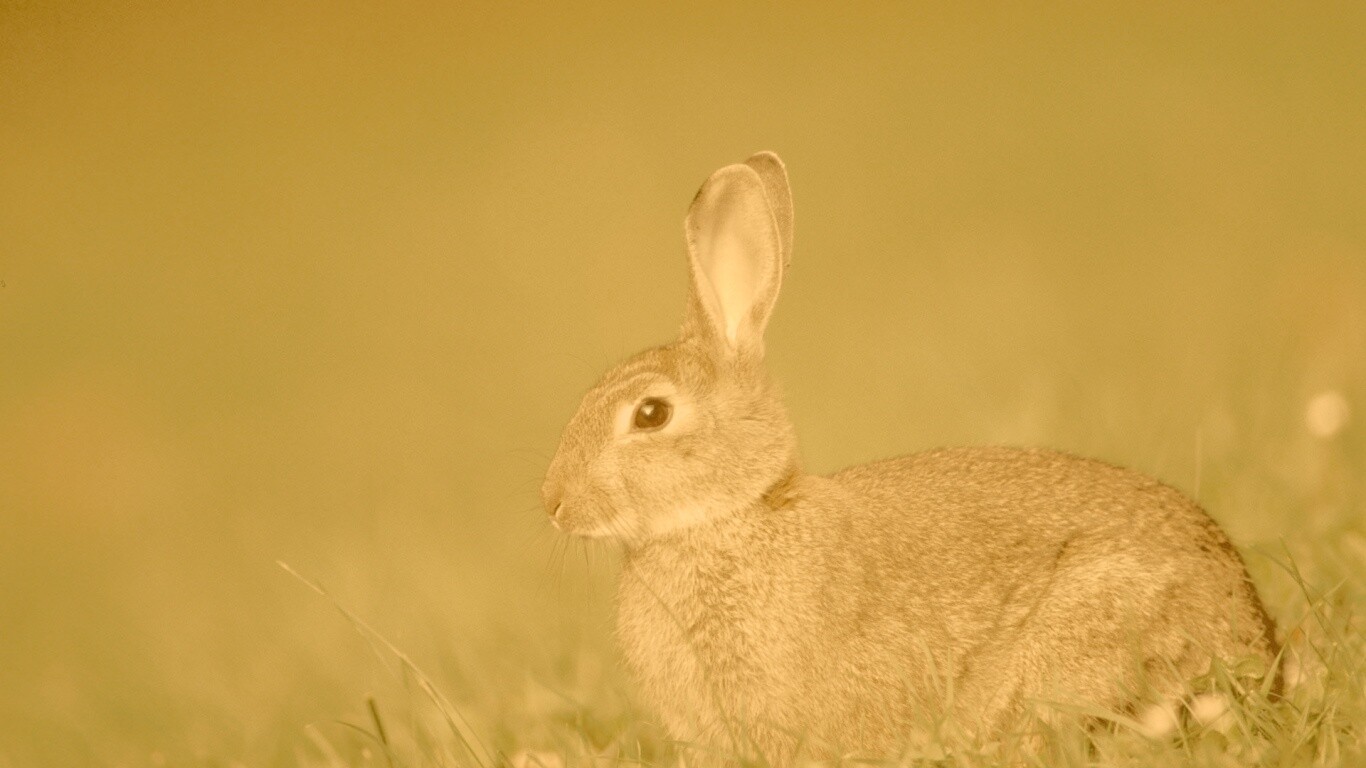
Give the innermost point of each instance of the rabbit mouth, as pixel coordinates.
(599, 530)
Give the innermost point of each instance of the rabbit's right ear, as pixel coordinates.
(735, 252)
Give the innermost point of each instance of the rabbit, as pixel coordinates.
(761, 608)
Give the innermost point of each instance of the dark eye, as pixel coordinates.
(652, 413)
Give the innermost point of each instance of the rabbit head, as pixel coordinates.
(690, 430)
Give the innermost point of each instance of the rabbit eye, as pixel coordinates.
(652, 413)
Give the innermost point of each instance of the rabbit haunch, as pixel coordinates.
(760, 606)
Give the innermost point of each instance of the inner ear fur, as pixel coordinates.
(735, 253)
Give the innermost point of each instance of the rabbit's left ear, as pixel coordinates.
(774, 175)
(735, 251)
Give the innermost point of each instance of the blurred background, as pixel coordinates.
(321, 283)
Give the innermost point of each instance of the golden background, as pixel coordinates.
(321, 283)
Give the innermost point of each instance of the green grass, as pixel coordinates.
(572, 709)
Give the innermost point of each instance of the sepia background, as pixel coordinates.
(320, 284)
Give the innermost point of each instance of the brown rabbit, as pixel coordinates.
(760, 606)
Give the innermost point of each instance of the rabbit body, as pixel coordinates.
(760, 606)
(846, 608)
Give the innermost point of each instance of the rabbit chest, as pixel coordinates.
(715, 622)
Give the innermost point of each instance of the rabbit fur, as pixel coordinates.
(760, 607)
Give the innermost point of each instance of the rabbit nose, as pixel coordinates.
(554, 512)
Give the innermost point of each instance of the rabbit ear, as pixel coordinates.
(774, 175)
(735, 254)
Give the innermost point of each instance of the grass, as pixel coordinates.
(576, 712)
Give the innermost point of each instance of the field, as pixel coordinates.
(294, 304)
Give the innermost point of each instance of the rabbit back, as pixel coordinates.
(1039, 574)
